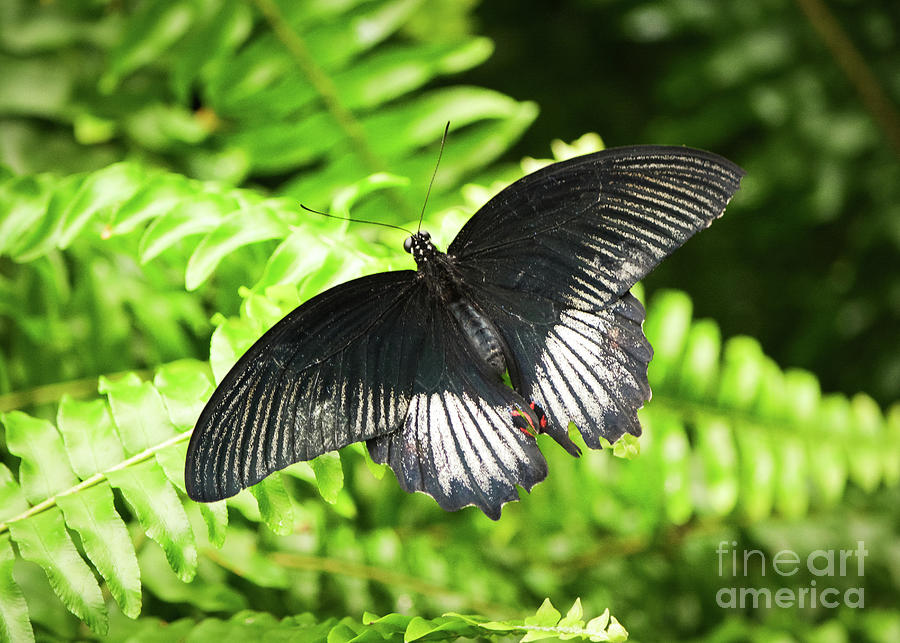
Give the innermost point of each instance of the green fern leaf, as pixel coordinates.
(89, 435)
(239, 229)
(184, 385)
(98, 195)
(150, 31)
(200, 214)
(12, 500)
(43, 540)
(14, 622)
(106, 542)
(274, 504)
(329, 475)
(160, 512)
(44, 470)
(139, 413)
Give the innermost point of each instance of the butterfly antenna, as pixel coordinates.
(332, 216)
(436, 165)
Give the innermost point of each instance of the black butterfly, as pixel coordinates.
(535, 285)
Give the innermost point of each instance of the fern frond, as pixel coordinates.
(546, 623)
(764, 438)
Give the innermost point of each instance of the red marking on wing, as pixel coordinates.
(525, 424)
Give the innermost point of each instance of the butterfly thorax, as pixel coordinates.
(420, 247)
(437, 269)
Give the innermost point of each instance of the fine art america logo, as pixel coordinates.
(822, 564)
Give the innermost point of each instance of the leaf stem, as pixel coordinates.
(383, 576)
(48, 393)
(691, 409)
(328, 92)
(95, 479)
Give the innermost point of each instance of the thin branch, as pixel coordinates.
(385, 577)
(851, 61)
(49, 393)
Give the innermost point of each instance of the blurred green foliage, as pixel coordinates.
(152, 156)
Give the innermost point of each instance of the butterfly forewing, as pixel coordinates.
(583, 231)
(337, 370)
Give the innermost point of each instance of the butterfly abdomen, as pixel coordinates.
(482, 335)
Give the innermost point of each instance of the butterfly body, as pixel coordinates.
(535, 285)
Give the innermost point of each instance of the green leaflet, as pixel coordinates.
(99, 195)
(865, 446)
(215, 514)
(329, 475)
(40, 237)
(14, 622)
(742, 373)
(699, 370)
(185, 386)
(240, 228)
(230, 340)
(43, 539)
(45, 469)
(667, 331)
(107, 543)
(138, 410)
(219, 28)
(152, 29)
(160, 513)
(27, 198)
(391, 73)
(198, 215)
(274, 504)
(89, 435)
(718, 456)
(792, 495)
(12, 500)
(331, 43)
(757, 472)
(158, 195)
(673, 450)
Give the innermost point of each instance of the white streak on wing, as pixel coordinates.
(451, 468)
(551, 378)
(568, 384)
(506, 449)
(472, 443)
(463, 439)
(580, 379)
(480, 434)
(599, 332)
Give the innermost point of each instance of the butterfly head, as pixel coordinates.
(419, 246)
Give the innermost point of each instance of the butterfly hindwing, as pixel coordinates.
(583, 231)
(460, 442)
(338, 369)
(589, 368)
